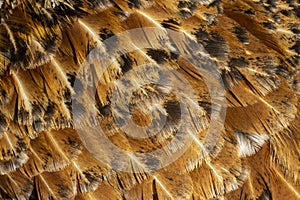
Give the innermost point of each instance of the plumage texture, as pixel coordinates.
(49, 119)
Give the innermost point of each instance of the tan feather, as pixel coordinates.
(127, 99)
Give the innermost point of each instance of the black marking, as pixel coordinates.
(106, 34)
(286, 12)
(173, 110)
(214, 43)
(215, 3)
(201, 35)
(297, 11)
(71, 78)
(34, 194)
(50, 42)
(134, 3)
(170, 24)
(241, 34)
(50, 110)
(268, 25)
(296, 47)
(36, 110)
(272, 3)
(266, 195)
(238, 62)
(249, 12)
(154, 190)
(186, 8)
(3, 123)
(159, 55)
(295, 30)
(127, 63)
(276, 18)
(105, 110)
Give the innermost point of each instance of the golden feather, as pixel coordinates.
(149, 99)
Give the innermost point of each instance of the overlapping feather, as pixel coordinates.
(42, 155)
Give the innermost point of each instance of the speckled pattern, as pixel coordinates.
(253, 45)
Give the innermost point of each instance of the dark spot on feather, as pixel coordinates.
(3, 153)
(272, 3)
(105, 110)
(206, 106)
(238, 62)
(63, 9)
(38, 125)
(201, 35)
(186, 8)
(173, 110)
(126, 65)
(286, 12)
(154, 190)
(268, 25)
(295, 30)
(276, 18)
(187, 4)
(33, 195)
(67, 95)
(211, 19)
(170, 24)
(49, 43)
(159, 55)
(215, 3)
(266, 195)
(296, 60)
(73, 143)
(185, 13)
(71, 78)
(105, 33)
(134, 3)
(249, 12)
(3, 95)
(296, 47)
(233, 75)
(110, 41)
(241, 34)
(118, 12)
(23, 114)
(22, 144)
(50, 110)
(90, 176)
(62, 190)
(3, 123)
(20, 54)
(36, 110)
(174, 56)
(297, 11)
(215, 45)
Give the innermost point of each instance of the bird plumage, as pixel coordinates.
(50, 148)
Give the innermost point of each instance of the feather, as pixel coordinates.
(223, 174)
(90, 172)
(16, 185)
(127, 99)
(106, 190)
(285, 150)
(52, 151)
(13, 152)
(265, 178)
(250, 143)
(56, 185)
